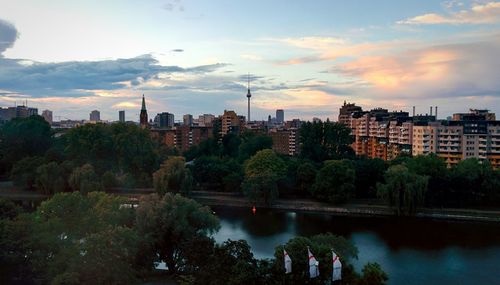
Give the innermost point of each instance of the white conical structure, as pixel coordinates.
(337, 267)
(313, 265)
(288, 262)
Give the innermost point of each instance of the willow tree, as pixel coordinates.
(403, 190)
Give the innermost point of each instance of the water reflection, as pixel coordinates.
(412, 251)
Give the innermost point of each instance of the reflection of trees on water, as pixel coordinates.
(266, 222)
(397, 233)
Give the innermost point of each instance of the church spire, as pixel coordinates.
(143, 103)
(143, 117)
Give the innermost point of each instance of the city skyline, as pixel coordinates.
(193, 57)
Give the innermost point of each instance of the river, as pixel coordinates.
(411, 251)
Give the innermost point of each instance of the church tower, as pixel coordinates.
(144, 114)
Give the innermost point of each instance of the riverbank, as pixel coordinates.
(349, 209)
(365, 208)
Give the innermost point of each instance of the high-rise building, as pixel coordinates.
(47, 115)
(230, 123)
(121, 116)
(164, 120)
(143, 117)
(22, 111)
(95, 116)
(346, 111)
(280, 116)
(187, 120)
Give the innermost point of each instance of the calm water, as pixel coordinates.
(411, 251)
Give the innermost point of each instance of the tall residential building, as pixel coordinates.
(164, 120)
(47, 115)
(230, 122)
(95, 116)
(121, 116)
(346, 111)
(285, 141)
(187, 120)
(143, 117)
(280, 116)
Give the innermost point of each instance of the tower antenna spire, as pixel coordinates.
(248, 95)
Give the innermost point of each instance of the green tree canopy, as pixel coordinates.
(335, 181)
(74, 235)
(85, 180)
(173, 176)
(22, 137)
(262, 173)
(167, 224)
(403, 190)
(322, 141)
(23, 172)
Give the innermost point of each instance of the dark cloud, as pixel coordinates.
(44, 79)
(177, 50)
(8, 35)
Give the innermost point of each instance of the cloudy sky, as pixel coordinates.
(306, 57)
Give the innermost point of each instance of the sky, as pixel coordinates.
(195, 57)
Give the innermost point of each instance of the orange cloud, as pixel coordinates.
(396, 72)
(478, 14)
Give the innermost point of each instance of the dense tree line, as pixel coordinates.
(95, 238)
(98, 156)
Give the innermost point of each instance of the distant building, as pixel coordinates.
(285, 141)
(9, 113)
(231, 123)
(164, 120)
(187, 120)
(121, 116)
(47, 115)
(95, 116)
(143, 117)
(280, 116)
(475, 115)
(346, 111)
(205, 120)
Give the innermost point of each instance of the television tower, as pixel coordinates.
(248, 96)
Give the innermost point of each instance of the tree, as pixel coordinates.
(122, 148)
(173, 176)
(22, 137)
(474, 182)
(83, 238)
(368, 173)
(23, 172)
(306, 175)
(50, 178)
(262, 173)
(85, 180)
(373, 275)
(435, 168)
(167, 224)
(251, 143)
(217, 174)
(335, 181)
(325, 140)
(230, 145)
(233, 263)
(403, 190)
